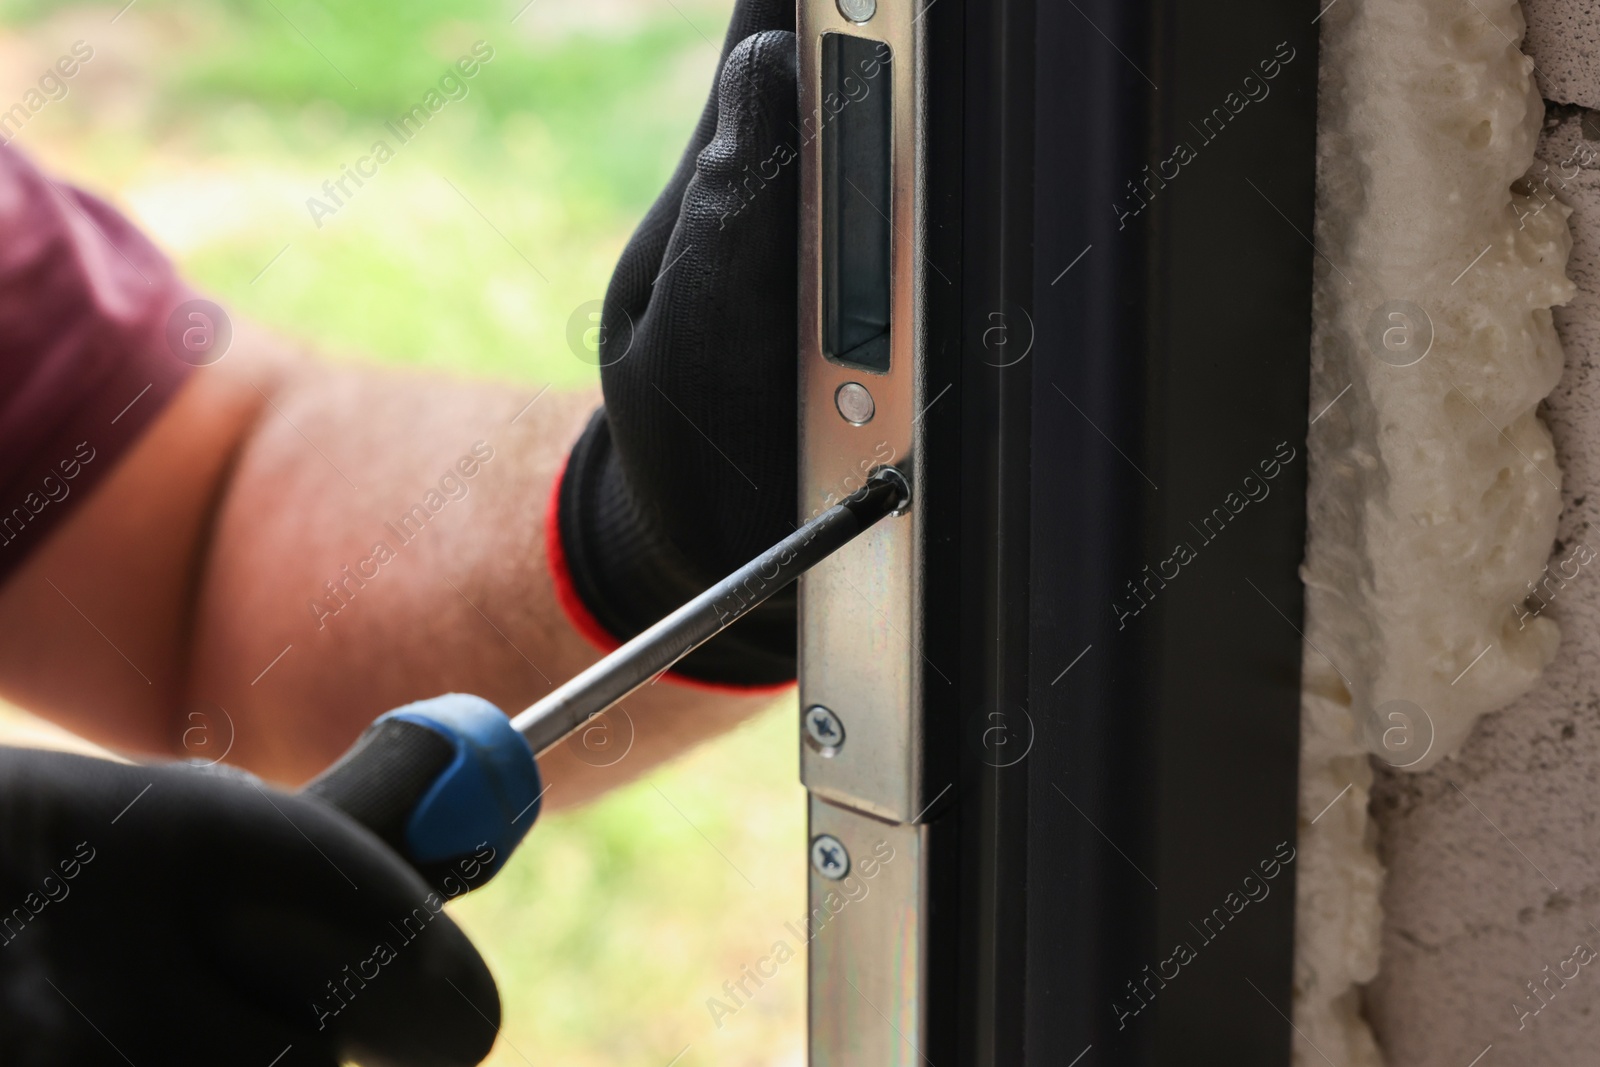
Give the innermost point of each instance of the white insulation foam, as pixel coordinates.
(1433, 492)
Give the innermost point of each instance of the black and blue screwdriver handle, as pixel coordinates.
(453, 785)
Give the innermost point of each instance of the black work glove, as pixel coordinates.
(165, 915)
(688, 472)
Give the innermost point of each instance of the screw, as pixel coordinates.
(854, 403)
(858, 10)
(829, 856)
(823, 729)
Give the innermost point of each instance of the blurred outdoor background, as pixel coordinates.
(210, 123)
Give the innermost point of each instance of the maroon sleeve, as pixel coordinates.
(84, 362)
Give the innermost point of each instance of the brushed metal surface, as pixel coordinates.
(868, 944)
(860, 611)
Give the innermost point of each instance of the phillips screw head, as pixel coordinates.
(858, 10)
(829, 857)
(823, 730)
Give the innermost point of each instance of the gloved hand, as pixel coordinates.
(175, 915)
(689, 470)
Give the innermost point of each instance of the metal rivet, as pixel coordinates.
(829, 857)
(855, 403)
(858, 10)
(823, 729)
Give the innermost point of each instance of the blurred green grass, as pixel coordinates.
(211, 122)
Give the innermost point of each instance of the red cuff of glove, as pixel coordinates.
(583, 620)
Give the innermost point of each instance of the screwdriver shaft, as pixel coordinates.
(547, 723)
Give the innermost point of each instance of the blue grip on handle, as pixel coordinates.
(487, 795)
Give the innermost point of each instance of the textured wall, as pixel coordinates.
(1494, 856)
(1564, 40)
(1433, 493)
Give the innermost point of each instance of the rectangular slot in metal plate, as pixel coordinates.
(857, 78)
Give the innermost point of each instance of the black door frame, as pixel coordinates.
(1125, 346)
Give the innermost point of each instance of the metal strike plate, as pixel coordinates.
(868, 941)
(862, 390)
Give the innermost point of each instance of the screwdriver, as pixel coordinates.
(454, 786)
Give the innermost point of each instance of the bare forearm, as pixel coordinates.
(361, 539)
(384, 536)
